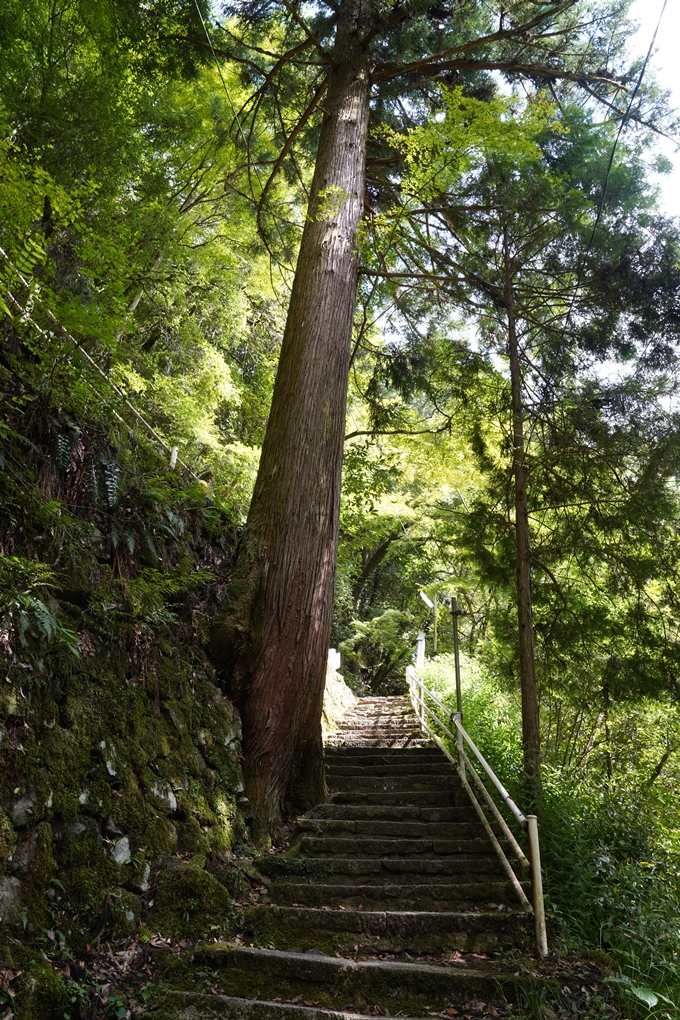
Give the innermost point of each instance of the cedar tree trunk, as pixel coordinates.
(272, 643)
(531, 739)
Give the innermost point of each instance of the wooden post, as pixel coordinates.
(537, 886)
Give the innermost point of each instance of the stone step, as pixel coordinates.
(419, 829)
(329, 870)
(358, 756)
(200, 1006)
(375, 742)
(385, 722)
(346, 983)
(434, 768)
(453, 797)
(408, 753)
(487, 890)
(376, 846)
(371, 931)
(394, 812)
(414, 781)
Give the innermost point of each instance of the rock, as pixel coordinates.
(41, 993)
(188, 901)
(10, 900)
(121, 851)
(164, 793)
(18, 863)
(21, 810)
(111, 827)
(8, 837)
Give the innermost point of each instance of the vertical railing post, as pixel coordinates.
(537, 886)
(456, 658)
(456, 717)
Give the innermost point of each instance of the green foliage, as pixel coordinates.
(24, 612)
(609, 843)
(378, 651)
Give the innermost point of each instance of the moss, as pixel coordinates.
(191, 838)
(8, 838)
(42, 868)
(189, 903)
(41, 993)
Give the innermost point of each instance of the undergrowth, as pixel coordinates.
(610, 834)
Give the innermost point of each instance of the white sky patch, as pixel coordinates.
(665, 63)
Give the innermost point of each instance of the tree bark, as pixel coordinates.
(272, 643)
(531, 738)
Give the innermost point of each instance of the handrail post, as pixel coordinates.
(537, 886)
(455, 716)
(456, 658)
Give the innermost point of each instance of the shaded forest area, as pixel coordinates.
(511, 440)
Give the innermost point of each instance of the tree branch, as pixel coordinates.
(310, 35)
(287, 147)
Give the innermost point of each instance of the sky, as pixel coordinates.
(666, 63)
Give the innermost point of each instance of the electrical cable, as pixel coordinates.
(624, 121)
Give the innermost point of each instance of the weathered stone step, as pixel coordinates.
(375, 742)
(376, 846)
(452, 797)
(333, 982)
(425, 750)
(419, 829)
(394, 812)
(402, 783)
(395, 895)
(357, 756)
(331, 870)
(373, 931)
(438, 768)
(386, 723)
(199, 1006)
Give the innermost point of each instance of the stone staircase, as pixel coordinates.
(391, 900)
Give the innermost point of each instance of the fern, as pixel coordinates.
(112, 475)
(62, 450)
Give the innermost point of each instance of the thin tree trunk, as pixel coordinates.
(527, 667)
(273, 641)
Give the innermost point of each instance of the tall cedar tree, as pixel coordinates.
(506, 242)
(379, 61)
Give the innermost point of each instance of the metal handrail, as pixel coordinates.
(418, 692)
(477, 753)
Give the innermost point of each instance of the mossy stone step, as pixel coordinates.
(199, 1006)
(452, 797)
(367, 846)
(416, 829)
(346, 983)
(393, 812)
(426, 896)
(373, 931)
(381, 869)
